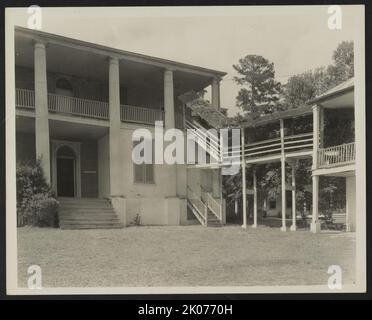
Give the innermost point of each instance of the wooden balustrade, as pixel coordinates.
(140, 115)
(337, 155)
(88, 108)
(77, 106)
(25, 98)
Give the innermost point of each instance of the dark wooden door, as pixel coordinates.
(65, 177)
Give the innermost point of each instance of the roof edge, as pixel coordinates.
(175, 64)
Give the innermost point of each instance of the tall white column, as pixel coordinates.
(321, 127)
(41, 109)
(116, 159)
(293, 226)
(350, 203)
(282, 161)
(315, 225)
(174, 172)
(254, 199)
(216, 93)
(244, 187)
(169, 117)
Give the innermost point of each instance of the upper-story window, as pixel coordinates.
(64, 87)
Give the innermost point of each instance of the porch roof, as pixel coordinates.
(118, 53)
(334, 92)
(287, 114)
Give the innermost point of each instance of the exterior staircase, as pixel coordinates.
(87, 213)
(207, 211)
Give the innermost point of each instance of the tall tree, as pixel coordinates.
(302, 87)
(261, 92)
(343, 63)
(305, 86)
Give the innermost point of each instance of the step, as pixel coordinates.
(91, 226)
(85, 205)
(93, 219)
(85, 210)
(87, 213)
(81, 199)
(92, 222)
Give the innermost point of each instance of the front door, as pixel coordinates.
(65, 177)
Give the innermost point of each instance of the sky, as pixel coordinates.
(295, 39)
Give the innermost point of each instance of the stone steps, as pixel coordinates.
(87, 213)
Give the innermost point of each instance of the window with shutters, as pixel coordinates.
(144, 173)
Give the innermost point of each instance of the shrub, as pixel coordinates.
(44, 210)
(36, 203)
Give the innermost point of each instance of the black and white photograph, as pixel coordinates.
(176, 150)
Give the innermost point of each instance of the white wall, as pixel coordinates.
(156, 203)
(103, 167)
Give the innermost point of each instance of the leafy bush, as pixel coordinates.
(44, 210)
(36, 203)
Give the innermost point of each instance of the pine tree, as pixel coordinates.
(261, 92)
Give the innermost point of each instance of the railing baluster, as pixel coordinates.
(328, 157)
(88, 108)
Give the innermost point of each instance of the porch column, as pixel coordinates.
(216, 93)
(169, 117)
(216, 179)
(350, 203)
(244, 188)
(293, 226)
(41, 109)
(254, 199)
(115, 149)
(175, 172)
(321, 127)
(216, 183)
(315, 225)
(282, 160)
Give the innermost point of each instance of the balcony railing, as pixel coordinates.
(293, 143)
(77, 106)
(140, 115)
(25, 99)
(337, 155)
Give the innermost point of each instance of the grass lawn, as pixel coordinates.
(183, 256)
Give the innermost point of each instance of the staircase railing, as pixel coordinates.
(197, 206)
(206, 140)
(213, 205)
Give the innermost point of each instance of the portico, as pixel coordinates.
(95, 101)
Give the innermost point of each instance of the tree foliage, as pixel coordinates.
(36, 202)
(261, 92)
(306, 86)
(343, 63)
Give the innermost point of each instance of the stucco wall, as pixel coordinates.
(164, 175)
(150, 201)
(103, 167)
(89, 169)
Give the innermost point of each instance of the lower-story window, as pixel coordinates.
(143, 173)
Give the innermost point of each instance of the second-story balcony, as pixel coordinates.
(25, 99)
(336, 156)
